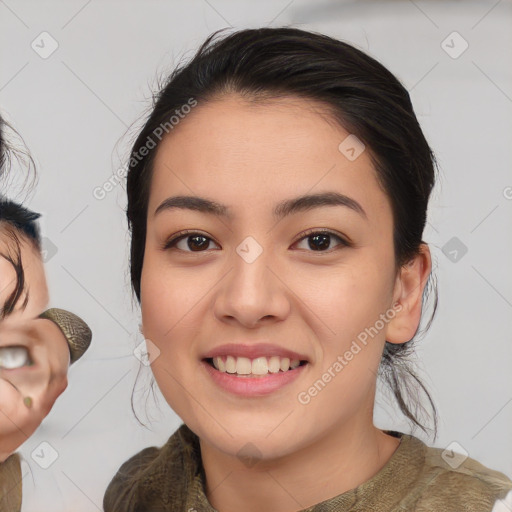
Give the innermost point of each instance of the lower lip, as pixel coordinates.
(252, 386)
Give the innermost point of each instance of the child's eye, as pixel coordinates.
(319, 241)
(14, 357)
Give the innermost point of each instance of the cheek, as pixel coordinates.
(169, 299)
(159, 303)
(167, 306)
(345, 300)
(347, 304)
(38, 296)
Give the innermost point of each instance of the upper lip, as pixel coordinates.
(253, 351)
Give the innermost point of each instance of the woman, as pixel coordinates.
(277, 197)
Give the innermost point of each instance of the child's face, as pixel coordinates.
(34, 275)
(312, 302)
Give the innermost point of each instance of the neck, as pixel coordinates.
(342, 460)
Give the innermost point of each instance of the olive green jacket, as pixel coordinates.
(10, 484)
(416, 478)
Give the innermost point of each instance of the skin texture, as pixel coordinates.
(46, 379)
(250, 157)
(34, 275)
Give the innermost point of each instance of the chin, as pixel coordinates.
(249, 445)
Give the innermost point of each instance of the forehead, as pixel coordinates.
(34, 274)
(247, 153)
(11, 236)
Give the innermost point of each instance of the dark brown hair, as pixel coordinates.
(16, 221)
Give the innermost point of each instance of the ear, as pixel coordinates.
(408, 292)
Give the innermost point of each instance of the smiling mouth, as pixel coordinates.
(258, 367)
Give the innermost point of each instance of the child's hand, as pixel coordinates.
(35, 357)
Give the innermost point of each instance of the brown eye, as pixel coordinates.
(189, 242)
(321, 241)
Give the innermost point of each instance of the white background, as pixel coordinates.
(73, 107)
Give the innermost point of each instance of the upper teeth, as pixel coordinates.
(258, 366)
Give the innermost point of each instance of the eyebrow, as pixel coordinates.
(282, 209)
(10, 303)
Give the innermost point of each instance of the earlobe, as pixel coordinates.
(408, 293)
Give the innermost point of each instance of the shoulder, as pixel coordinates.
(153, 478)
(122, 489)
(454, 480)
(10, 483)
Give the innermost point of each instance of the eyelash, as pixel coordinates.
(169, 244)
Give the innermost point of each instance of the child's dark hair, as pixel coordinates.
(362, 96)
(22, 219)
(15, 221)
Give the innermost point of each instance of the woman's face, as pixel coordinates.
(252, 277)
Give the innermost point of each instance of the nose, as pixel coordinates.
(252, 292)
